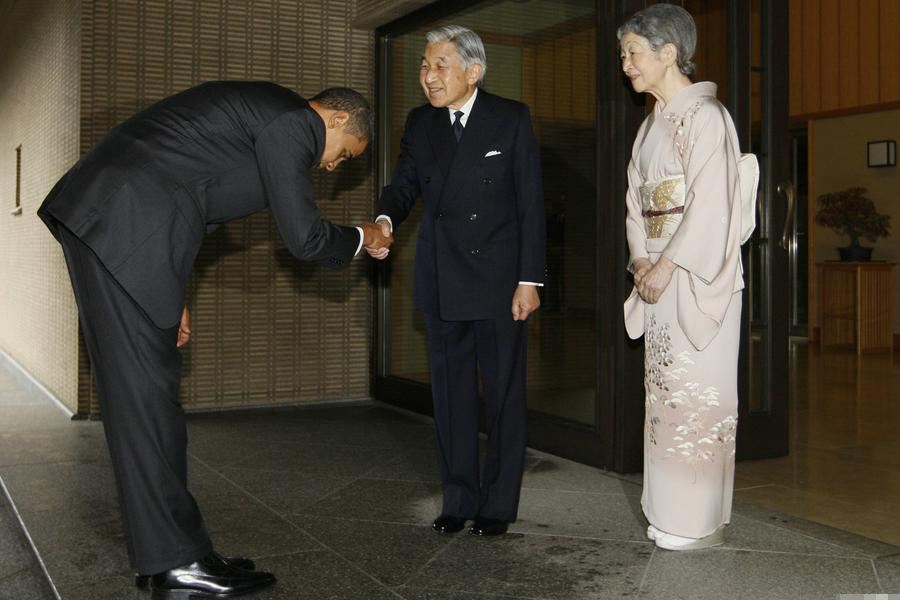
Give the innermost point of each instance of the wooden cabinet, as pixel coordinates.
(857, 305)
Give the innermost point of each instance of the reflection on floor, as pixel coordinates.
(337, 502)
(844, 465)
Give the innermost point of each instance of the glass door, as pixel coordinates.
(761, 79)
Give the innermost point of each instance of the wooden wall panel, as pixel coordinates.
(845, 56)
(848, 53)
(796, 58)
(869, 52)
(810, 33)
(889, 53)
(829, 55)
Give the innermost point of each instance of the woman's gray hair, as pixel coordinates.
(468, 45)
(665, 24)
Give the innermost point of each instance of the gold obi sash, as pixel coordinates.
(663, 204)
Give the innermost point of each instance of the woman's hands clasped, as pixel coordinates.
(651, 279)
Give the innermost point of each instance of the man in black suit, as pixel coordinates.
(473, 158)
(131, 216)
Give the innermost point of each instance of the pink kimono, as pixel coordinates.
(683, 202)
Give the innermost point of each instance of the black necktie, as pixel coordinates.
(457, 125)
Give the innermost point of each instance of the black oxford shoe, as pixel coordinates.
(448, 524)
(142, 582)
(207, 578)
(488, 527)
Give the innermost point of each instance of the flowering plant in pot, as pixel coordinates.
(849, 212)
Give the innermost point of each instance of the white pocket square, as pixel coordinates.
(492, 153)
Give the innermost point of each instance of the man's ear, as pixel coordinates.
(473, 74)
(338, 119)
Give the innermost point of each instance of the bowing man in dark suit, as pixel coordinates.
(131, 216)
(474, 160)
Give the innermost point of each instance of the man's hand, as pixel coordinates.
(376, 236)
(184, 328)
(381, 253)
(653, 281)
(525, 301)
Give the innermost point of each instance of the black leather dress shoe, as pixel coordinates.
(207, 578)
(487, 527)
(142, 582)
(448, 524)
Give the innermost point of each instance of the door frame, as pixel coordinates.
(764, 434)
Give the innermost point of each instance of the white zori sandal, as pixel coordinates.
(668, 541)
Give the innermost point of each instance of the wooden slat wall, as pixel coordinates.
(845, 55)
(267, 330)
(559, 77)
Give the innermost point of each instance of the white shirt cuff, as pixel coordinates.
(531, 283)
(362, 237)
(385, 218)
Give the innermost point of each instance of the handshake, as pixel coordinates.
(377, 239)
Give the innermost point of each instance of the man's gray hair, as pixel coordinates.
(665, 24)
(468, 45)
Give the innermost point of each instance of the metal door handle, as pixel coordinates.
(787, 188)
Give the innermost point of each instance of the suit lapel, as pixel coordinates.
(479, 129)
(443, 143)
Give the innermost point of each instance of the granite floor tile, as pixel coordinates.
(351, 461)
(261, 541)
(751, 534)
(421, 464)
(391, 553)
(78, 549)
(553, 473)
(120, 587)
(234, 512)
(415, 503)
(285, 492)
(422, 594)
(851, 541)
(81, 442)
(321, 575)
(746, 575)
(888, 576)
(580, 514)
(220, 449)
(28, 584)
(533, 566)
(62, 486)
(15, 553)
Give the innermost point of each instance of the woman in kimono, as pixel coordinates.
(683, 228)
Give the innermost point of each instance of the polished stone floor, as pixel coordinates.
(844, 464)
(337, 501)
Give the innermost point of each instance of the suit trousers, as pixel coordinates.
(459, 350)
(137, 370)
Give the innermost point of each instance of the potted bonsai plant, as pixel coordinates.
(849, 212)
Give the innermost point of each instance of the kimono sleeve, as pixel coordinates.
(701, 243)
(635, 228)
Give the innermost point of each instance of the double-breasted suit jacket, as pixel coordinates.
(143, 198)
(482, 229)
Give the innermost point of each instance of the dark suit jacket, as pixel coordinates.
(143, 198)
(482, 228)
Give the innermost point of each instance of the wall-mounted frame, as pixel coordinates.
(881, 153)
(17, 210)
